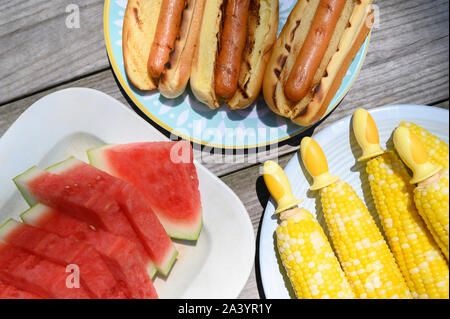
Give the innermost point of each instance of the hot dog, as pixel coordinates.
(168, 28)
(313, 50)
(306, 103)
(159, 41)
(232, 45)
(230, 61)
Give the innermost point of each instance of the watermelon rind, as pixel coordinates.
(34, 214)
(178, 233)
(167, 267)
(8, 227)
(96, 158)
(22, 180)
(61, 166)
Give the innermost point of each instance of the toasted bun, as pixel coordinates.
(202, 71)
(262, 31)
(348, 36)
(176, 75)
(137, 36)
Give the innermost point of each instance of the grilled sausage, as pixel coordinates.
(166, 33)
(301, 77)
(232, 44)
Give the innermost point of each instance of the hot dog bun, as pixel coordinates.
(137, 37)
(349, 33)
(175, 77)
(261, 34)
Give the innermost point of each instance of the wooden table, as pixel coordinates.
(407, 62)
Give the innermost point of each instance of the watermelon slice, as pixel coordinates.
(167, 180)
(119, 253)
(36, 275)
(80, 201)
(131, 202)
(11, 292)
(94, 273)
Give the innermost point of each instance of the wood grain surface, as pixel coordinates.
(407, 62)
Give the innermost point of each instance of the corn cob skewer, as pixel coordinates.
(360, 246)
(306, 254)
(432, 192)
(436, 149)
(417, 254)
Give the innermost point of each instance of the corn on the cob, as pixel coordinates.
(432, 198)
(360, 246)
(305, 252)
(417, 254)
(437, 149)
(419, 257)
(308, 258)
(431, 195)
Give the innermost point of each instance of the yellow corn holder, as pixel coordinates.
(279, 187)
(316, 164)
(366, 134)
(413, 154)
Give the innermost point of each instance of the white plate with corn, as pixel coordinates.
(362, 230)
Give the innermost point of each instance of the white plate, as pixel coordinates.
(341, 149)
(71, 121)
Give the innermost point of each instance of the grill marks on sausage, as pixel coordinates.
(294, 30)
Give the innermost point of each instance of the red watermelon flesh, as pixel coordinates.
(169, 181)
(11, 292)
(94, 273)
(119, 253)
(36, 275)
(131, 202)
(80, 201)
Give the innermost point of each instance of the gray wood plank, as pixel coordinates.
(250, 188)
(38, 51)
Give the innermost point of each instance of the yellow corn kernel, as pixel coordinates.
(431, 198)
(308, 258)
(437, 149)
(417, 254)
(360, 246)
